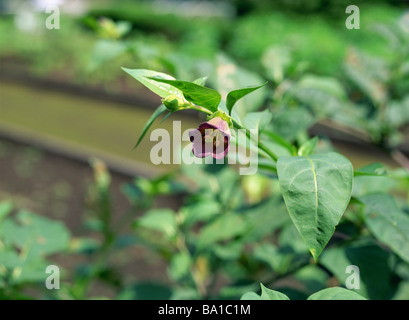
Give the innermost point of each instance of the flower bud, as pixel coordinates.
(174, 103)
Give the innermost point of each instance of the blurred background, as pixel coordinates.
(64, 100)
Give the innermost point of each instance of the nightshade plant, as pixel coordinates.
(316, 187)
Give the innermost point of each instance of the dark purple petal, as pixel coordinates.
(211, 138)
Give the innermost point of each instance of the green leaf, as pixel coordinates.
(387, 223)
(123, 27)
(276, 60)
(374, 169)
(162, 220)
(369, 74)
(272, 256)
(375, 275)
(336, 294)
(179, 265)
(257, 120)
(106, 50)
(250, 296)
(316, 91)
(235, 95)
(281, 141)
(199, 211)
(291, 123)
(222, 228)
(308, 147)
(5, 209)
(230, 251)
(371, 184)
(161, 89)
(161, 109)
(37, 236)
(10, 259)
(197, 94)
(266, 294)
(312, 279)
(316, 190)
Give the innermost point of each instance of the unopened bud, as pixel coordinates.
(174, 103)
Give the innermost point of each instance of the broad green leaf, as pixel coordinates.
(313, 279)
(265, 218)
(397, 112)
(337, 293)
(276, 60)
(290, 123)
(10, 259)
(106, 50)
(222, 228)
(370, 184)
(330, 85)
(317, 91)
(375, 275)
(35, 235)
(33, 271)
(250, 296)
(161, 109)
(280, 141)
(5, 208)
(278, 261)
(235, 95)
(308, 147)
(162, 220)
(290, 239)
(257, 120)
(179, 265)
(161, 89)
(230, 251)
(268, 294)
(123, 27)
(197, 94)
(316, 190)
(374, 169)
(369, 74)
(387, 223)
(199, 211)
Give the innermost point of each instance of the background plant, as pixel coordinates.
(230, 232)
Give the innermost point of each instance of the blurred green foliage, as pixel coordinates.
(231, 232)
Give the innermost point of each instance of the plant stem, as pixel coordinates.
(260, 145)
(201, 109)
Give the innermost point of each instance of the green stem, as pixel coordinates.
(267, 167)
(201, 109)
(260, 145)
